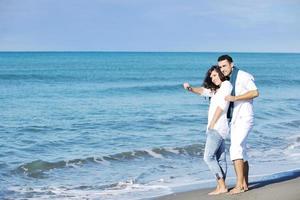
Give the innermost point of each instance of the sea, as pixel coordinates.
(119, 125)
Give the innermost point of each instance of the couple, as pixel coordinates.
(231, 93)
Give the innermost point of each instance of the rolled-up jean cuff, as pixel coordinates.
(215, 154)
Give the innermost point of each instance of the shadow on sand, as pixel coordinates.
(275, 178)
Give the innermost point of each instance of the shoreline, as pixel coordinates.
(283, 187)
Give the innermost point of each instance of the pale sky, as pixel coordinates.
(150, 25)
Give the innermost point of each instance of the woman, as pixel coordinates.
(217, 88)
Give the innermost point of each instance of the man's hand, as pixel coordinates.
(230, 98)
(248, 95)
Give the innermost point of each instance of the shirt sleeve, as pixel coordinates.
(207, 92)
(224, 91)
(250, 85)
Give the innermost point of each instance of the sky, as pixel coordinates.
(150, 25)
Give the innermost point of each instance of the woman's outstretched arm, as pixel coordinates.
(197, 90)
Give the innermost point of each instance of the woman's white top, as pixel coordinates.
(218, 100)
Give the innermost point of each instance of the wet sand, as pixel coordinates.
(287, 188)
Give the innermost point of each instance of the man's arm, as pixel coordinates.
(248, 95)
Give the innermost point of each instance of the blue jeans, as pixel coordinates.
(214, 154)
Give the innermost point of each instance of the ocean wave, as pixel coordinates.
(121, 190)
(292, 151)
(131, 189)
(287, 148)
(35, 77)
(278, 82)
(293, 123)
(97, 77)
(144, 88)
(37, 168)
(37, 129)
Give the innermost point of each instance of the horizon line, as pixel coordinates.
(125, 51)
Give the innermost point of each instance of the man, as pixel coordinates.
(241, 118)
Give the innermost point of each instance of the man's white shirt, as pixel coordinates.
(244, 108)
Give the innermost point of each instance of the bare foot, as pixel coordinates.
(218, 191)
(245, 188)
(237, 190)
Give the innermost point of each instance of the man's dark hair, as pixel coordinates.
(225, 57)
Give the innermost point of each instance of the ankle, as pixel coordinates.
(223, 188)
(241, 186)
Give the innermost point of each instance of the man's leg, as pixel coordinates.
(239, 169)
(246, 175)
(238, 154)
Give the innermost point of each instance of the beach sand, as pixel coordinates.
(281, 189)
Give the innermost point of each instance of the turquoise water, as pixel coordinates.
(98, 125)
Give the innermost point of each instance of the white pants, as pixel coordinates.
(239, 131)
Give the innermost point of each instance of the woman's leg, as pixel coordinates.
(221, 158)
(213, 143)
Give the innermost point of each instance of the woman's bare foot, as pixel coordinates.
(218, 191)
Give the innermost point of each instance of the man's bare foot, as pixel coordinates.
(236, 190)
(218, 191)
(245, 188)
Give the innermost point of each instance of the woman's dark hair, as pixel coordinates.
(207, 83)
